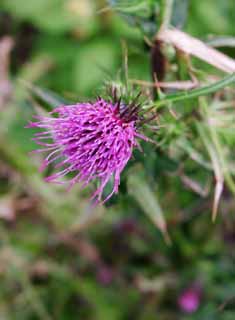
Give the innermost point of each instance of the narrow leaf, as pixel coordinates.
(145, 197)
(47, 96)
(181, 96)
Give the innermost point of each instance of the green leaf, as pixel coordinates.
(56, 16)
(131, 6)
(180, 13)
(95, 62)
(186, 145)
(139, 188)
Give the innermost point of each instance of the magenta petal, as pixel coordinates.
(92, 140)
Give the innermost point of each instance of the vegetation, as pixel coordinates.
(163, 248)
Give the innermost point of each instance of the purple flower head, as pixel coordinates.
(189, 300)
(91, 140)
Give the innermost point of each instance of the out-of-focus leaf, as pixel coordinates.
(100, 297)
(31, 72)
(46, 96)
(193, 154)
(88, 216)
(139, 13)
(139, 188)
(211, 17)
(95, 63)
(180, 13)
(56, 16)
(141, 7)
(222, 41)
(218, 154)
(218, 170)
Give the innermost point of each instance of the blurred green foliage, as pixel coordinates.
(62, 259)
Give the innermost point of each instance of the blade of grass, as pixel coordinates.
(218, 146)
(145, 197)
(218, 171)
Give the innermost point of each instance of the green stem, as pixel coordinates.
(196, 92)
(167, 13)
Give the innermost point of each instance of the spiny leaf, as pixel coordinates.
(181, 96)
(139, 188)
(218, 170)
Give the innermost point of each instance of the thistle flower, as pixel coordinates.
(189, 300)
(91, 140)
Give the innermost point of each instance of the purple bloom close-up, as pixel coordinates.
(92, 140)
(189, 300)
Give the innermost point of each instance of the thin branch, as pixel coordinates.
(197, 48)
